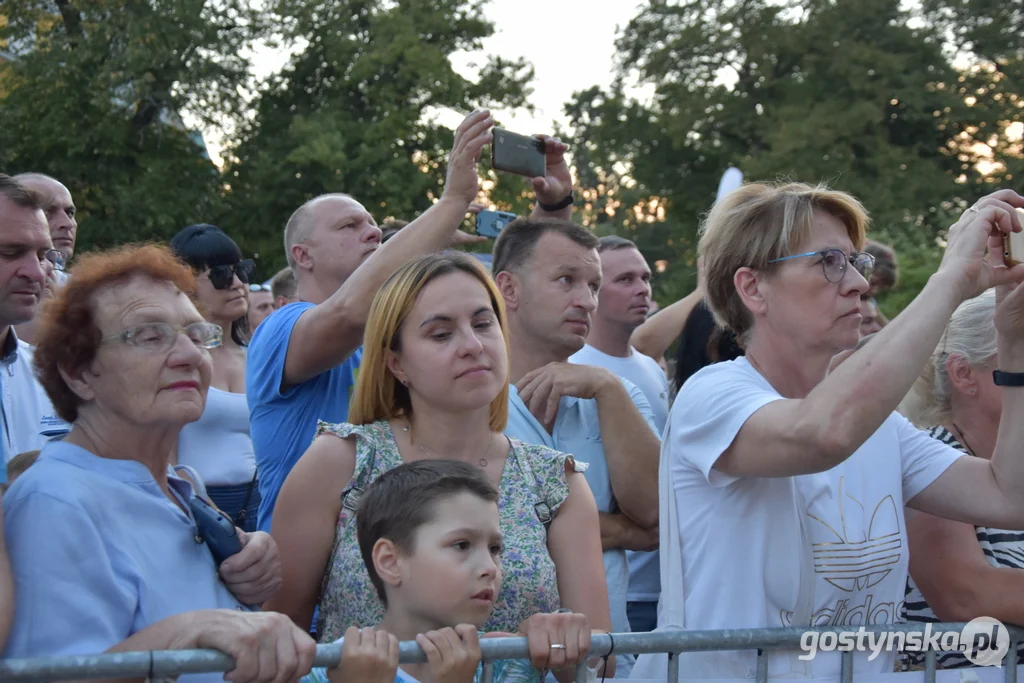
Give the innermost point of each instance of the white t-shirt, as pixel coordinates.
(217, 445)
(27, 417)
(828, 549)
(644, 372)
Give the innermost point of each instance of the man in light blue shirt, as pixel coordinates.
(549, 274)
(624, 304)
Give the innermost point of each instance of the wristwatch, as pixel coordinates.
(559, 206)
(1008, 379)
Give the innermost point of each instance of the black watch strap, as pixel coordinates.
(1008, 379)
(559, 206)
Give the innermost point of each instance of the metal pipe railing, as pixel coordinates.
(157, 664)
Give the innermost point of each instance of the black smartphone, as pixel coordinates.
(519, 154)
(217, 530)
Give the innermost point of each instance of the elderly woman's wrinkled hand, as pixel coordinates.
(254, 574)
(266, 646)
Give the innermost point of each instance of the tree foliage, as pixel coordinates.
(95, 95)
(355, 111)
(909, 111)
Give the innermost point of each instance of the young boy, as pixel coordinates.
(429, 535)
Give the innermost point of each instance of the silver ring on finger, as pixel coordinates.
(557, 646)
(973, 209)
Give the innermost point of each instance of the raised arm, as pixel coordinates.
(813, 434)
(305, 519)
(659, 331)
(324, 336)
(556, 184)
(989, 492)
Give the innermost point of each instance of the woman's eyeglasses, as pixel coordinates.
(834, 262)
(221, 277)
(160, 337)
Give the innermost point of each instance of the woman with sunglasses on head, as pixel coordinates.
(783, 485)
(218, 445)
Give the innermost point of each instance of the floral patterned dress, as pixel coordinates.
(533, 487)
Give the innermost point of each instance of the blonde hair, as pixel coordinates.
(378, 394)
(971, 335)
(760, 222)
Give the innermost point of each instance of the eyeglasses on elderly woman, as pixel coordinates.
(160, 337)
(834, 262)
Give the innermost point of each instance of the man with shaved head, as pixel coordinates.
(59, 208)
(303, 358)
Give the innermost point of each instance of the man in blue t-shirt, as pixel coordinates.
(303, 359)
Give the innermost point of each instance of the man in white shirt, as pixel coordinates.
(549, 274)
(27, 418)
(622, 307)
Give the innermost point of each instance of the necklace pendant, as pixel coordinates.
(483, 462)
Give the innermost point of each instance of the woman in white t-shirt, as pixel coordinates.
(788, 483)
(218, 445)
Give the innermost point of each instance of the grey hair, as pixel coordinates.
(970, 334)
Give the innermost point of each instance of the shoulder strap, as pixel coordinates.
(540, 506)
(353, 491)
(194, 478)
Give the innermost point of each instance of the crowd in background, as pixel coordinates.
(410, 444)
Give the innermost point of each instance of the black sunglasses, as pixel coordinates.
(221, 277)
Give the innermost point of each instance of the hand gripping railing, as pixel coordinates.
(160, 664)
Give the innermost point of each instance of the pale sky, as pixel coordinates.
(571, 44)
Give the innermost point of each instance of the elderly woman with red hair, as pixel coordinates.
(105, 550)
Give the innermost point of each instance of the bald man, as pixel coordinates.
(59, 207)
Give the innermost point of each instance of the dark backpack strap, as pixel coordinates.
(243, 514)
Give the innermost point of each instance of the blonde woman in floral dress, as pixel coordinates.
(434, 384)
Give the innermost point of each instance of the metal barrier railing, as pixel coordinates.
(169, 663)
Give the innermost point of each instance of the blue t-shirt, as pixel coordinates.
(282, 423)
(99, 553)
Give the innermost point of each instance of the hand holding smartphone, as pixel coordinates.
(518, 154)
(1013, 244)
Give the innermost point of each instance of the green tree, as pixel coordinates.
(861, 94)
(95, 96)
(354, 111)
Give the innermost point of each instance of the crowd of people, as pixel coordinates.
(411, 445)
